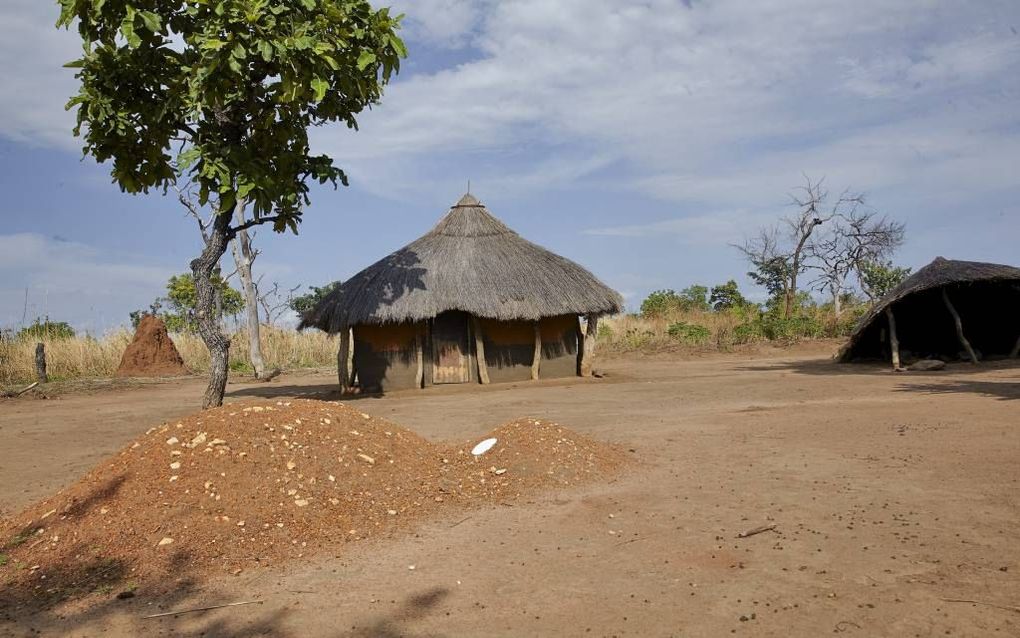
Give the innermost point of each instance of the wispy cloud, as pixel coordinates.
(63, 278)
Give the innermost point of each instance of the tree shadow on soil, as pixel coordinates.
(101, 594)
(321, 392)
(326, 392)
(999, 390)
(95, 591)
(395, 624)
(831, 367)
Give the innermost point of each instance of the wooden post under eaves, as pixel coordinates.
(343, 370)
(536, 361)
(483, 367)
(1016, 350)
(588, 344)
(959, 327)
(894, 342)
(419, 353)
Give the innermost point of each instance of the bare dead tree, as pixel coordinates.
(780, 254)
(244, 257)
(275, 303)
(858, 236)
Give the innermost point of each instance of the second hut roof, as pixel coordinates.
(940, 272)
(469, 261)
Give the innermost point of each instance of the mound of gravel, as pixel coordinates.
(247, 486)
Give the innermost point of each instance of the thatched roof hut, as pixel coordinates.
(469, 300)
(947, 310)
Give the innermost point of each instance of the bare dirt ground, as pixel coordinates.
(890, 494)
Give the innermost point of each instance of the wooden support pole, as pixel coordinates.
(588, 345)
(959, 327)
(536, 361)
(40, 363)
(1016, 350)
(483, 367)
(420, 355)
(343, 360)
(894, 342)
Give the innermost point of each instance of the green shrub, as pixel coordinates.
(748, 332)
(46, 329)
(605, 332)
(690, 333)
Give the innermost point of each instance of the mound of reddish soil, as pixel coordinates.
(242, 487)
(151, 353)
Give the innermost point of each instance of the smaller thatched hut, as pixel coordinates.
(470, 301)
(946, 310)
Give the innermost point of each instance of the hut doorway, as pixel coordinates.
(450, 348)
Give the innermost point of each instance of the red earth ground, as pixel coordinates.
(893, 496)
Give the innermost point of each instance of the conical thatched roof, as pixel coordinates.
(940, 272)
(472, 262)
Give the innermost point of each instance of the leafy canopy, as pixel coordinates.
(224, 91)
(45, 329)
(179, 308)
(307, 302)
(878, 278)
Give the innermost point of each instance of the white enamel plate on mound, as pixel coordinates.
(483, 447)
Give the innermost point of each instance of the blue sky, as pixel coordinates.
(640, 139)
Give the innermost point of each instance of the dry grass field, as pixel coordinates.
(893, 500)
(88, 357)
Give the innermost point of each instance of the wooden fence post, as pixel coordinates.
(40, 363)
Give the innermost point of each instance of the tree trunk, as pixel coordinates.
(837, 303)
(894, 342)
(40, 363)
(243, 258)
(205, 309)
(959, 327)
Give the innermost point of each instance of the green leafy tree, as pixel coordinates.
(664, 302)
(46, 329)
(726, 296)
(878, 278)
(303, 304)
(219, 95)
(179, 308)
(694, 298)
(659, 302)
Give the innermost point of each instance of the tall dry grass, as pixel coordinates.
(89, 357)
(708, 330)
(635, 333)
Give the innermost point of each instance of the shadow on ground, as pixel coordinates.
(88, 590)
(321, 392)
(829, 367)
(395, 624)
(1000, 390)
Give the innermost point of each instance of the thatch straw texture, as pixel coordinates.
(940, 272)
(472, 262)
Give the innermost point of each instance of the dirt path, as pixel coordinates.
(889, 493)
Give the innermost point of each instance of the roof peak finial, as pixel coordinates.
(469, 187)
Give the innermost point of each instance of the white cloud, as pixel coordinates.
(35, 85)
(716, 228)
(712, 94)
(72, 280)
